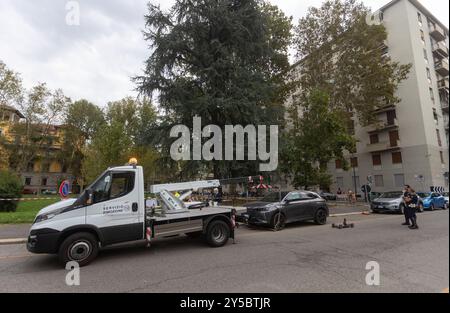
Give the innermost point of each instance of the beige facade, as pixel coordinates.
(45, 171)
(410, 143)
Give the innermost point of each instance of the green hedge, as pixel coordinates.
(10, 187)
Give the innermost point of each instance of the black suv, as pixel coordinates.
(278, 208)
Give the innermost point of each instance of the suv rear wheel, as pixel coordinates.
(321, 217)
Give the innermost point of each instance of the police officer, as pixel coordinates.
(411, 201)
(405, 207)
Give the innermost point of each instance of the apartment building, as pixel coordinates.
(409, 144)
(46, 170)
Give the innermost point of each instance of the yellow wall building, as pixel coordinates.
(45, 171)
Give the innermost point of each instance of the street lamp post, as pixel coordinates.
(354, 179)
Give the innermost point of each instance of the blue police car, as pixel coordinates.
(432, 200)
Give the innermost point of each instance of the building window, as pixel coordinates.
(394, 138)
(438, 135)
(373, 139)
(422, 36)
(27, 181)
(441, 154)
(340, 182)
(419, 18)
(431, 94)
(429, 75)
(390, 117)
(397, 158)
(338, 164)
(46, 168)
(399, 180)
(30, 167)
(435, 116)
(379, 181)
(44, 181)
(376, 159)
(351, 127)
(354, 162)
(425, 55)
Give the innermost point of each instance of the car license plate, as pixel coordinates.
(380, 206)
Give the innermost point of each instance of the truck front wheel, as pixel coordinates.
(79, 247)
(217, 233)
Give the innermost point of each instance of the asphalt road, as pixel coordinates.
(302, 258)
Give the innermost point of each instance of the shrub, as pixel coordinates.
(10, 187)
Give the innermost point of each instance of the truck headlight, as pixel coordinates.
(47, 216)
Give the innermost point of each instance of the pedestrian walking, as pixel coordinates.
(411, 201)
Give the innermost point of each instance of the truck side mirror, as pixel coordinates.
(90, 197)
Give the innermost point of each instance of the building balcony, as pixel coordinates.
(444, 106)
(440, 50)
(443, 83)
(384, 109)
(382, 126)
(382, 146)
(442, 67)
(436, 32)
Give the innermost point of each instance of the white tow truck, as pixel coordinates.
(113, 210)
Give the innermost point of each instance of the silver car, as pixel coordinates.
(391, 201)
(445, 194)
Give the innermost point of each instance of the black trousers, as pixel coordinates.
(410, 215)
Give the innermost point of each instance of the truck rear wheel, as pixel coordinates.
(79, 247)
(217, 233)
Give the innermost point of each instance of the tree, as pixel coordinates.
(315, 137)
(224, 61)
(4, 157)
(118, 138)
(10, 187)
(11, 89)
(42, 109)
(341, 54)
(82, 121)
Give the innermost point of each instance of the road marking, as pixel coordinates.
(13, 241)
(345, 214)
(16, 256)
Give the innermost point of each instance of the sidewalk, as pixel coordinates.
(14, 230)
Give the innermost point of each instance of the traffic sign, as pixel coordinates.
(366, 188)
(64, 189)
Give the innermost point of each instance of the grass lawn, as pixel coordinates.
(26, 211)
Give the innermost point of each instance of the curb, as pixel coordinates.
(13, 241)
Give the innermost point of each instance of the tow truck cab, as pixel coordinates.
(112, 210)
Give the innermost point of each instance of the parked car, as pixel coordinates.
(432, 200)
(277, 209)
(373, 195)
(328, 195)
(49, 192)
(445, 194)
(392, 201)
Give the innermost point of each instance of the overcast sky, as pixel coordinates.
(96, 59)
